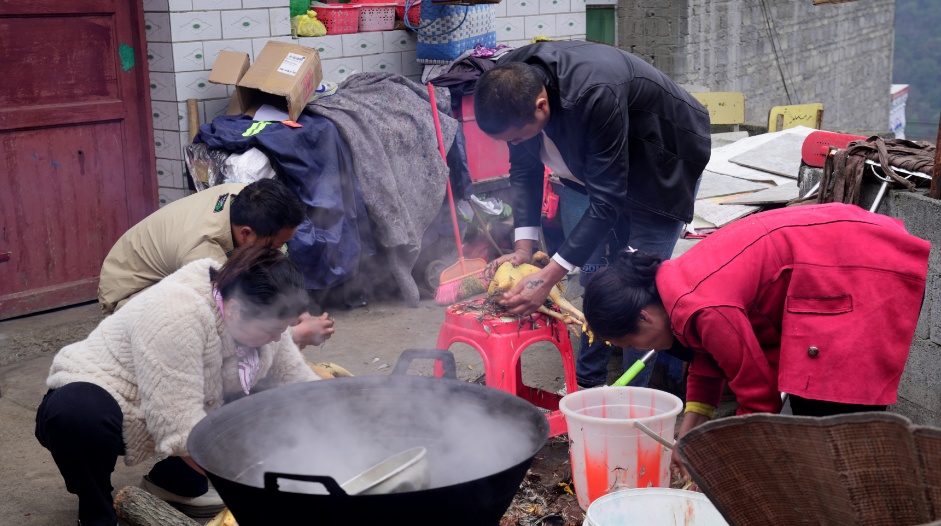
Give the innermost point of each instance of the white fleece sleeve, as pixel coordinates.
(288, 365)
(167, 350)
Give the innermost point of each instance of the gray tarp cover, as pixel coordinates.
(387, 122)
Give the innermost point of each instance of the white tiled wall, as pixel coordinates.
(184, 38)
(188, 56)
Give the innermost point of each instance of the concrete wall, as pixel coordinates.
(919, 396)
(185, 36)
(837, 54)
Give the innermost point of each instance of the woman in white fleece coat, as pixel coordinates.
(146, 375)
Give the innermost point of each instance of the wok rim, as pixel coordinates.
(207, 431)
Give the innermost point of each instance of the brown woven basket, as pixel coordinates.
(872, 469)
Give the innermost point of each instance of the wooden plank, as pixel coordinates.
(51, 67)
(61, 225)
(60, 295)
(45, 7)
(725, 107)
(61, 114)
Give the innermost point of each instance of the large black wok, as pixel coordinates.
(280, 456)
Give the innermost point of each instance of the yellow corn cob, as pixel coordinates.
(224, 518)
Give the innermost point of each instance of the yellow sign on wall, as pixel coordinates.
(725, 107)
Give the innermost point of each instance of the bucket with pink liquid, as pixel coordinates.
(608, 452)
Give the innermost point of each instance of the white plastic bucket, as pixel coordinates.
(653, 507)
(608, 453)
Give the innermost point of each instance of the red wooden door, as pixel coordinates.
(76, 146)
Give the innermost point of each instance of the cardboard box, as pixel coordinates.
(284, 75)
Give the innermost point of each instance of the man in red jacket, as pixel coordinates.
(819, 302)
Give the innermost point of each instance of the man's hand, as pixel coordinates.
(310, 330)
(531, 292)
(517, 257)
(522, 254)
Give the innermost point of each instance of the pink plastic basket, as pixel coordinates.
(338, 19)
(414, 12)
(376, 17)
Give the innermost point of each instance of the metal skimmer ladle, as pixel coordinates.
(400, 473)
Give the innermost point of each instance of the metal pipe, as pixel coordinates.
(878, 200)
(812, 189)
(650, 432)
(902, 170)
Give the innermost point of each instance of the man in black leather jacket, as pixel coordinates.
(612, 127)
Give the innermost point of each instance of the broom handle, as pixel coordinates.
(444, 157)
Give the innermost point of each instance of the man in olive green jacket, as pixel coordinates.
(209, 224)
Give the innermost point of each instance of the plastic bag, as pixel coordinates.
(206, 167)
(307, 25)
(247, 167)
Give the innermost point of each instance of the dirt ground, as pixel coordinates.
(368, 342)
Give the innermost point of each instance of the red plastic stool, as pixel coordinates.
(501, 345)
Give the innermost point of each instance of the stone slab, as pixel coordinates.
(780, 156)
(776, 195)
(716, 185)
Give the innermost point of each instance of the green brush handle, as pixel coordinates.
(634, 370)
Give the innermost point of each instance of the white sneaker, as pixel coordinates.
(207, 505)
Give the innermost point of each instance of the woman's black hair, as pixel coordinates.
(616, 294)
(505, 97)
(264, 281)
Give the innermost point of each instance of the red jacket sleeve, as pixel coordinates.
(728, 348)
(705, 380)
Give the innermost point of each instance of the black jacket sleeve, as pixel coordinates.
(526, 178)
(605, 121)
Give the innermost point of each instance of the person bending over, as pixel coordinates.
(207, 224)
(621, 134)
(176, 352)
(819, 302)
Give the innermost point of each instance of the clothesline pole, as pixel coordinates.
(935, 191)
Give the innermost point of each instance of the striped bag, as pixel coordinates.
(446, 31)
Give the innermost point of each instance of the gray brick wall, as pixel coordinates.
(837, 54)
(919, 396)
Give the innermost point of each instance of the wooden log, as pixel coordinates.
(137, 507)
(192, 112)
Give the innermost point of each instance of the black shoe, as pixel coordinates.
(207, 505)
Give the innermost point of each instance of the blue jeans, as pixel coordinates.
(640, 229)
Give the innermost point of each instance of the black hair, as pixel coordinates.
(505, 97)
(616, 294)
(264, 281)
(267, 206)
